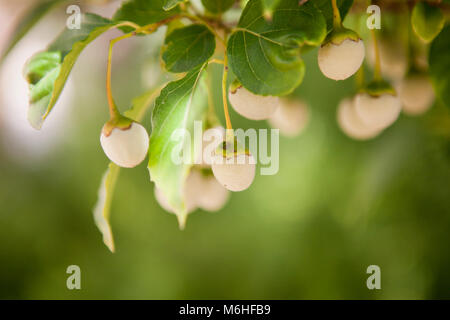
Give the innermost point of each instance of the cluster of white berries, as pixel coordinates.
(228, 166)
(367, 115)
(414, 87)
(378, 105)
(201, 191)
(288, 115)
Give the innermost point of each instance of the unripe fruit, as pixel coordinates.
(340, 61)
(291, 117)
(416, 94)
(126, 147)
(235, 172)
(252, 106)
(213, 196)
(377, 112)
(351, 124)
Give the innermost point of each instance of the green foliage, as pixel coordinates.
(217, 6)
(427, 21)
(143, 12)
(178, 106)
(439, 61)
(327, 9)
(47, 72)
(265, 55)
(187, 48)
(170, 4)
(102, 210)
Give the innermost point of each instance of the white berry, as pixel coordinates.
(351, 124)
(212, 137)
(236, 173)
(338, 62)
(252, 106)
(191, 190)
(126, 147)
(213, 196)
(378, 112)
(291, 117)
(416, 94)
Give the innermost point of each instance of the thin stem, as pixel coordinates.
(204, 22)
(148, 29)
(211, 118)
(359, 78)
(377, 70)
(114, 113)
(224, 92)
(337, 21)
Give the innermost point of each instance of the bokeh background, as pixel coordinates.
(335, 207)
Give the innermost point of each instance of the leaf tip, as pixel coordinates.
(182, 218)
(110, 244)
(35, 124)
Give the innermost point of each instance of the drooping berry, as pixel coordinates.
(378, 105)
(233, 166)
(351, 124)
(416, 94)
(236, 173)
(125, 146)
(250, 105)
(213, 196)
(291, 117)
(341, 55)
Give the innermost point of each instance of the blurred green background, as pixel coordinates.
(335, 207)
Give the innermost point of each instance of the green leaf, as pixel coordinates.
(33, 16)
(427, 21)
(170, 4)
(144, 12)
(102, 209)
(327, 10)
(439, 60)
(181, 103)
(187, 48)
(47, 72)
(265, 55)
(217, 6)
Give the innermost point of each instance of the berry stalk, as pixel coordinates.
(114, 113)
(224, 92)
(337, 21)
(377, 68)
